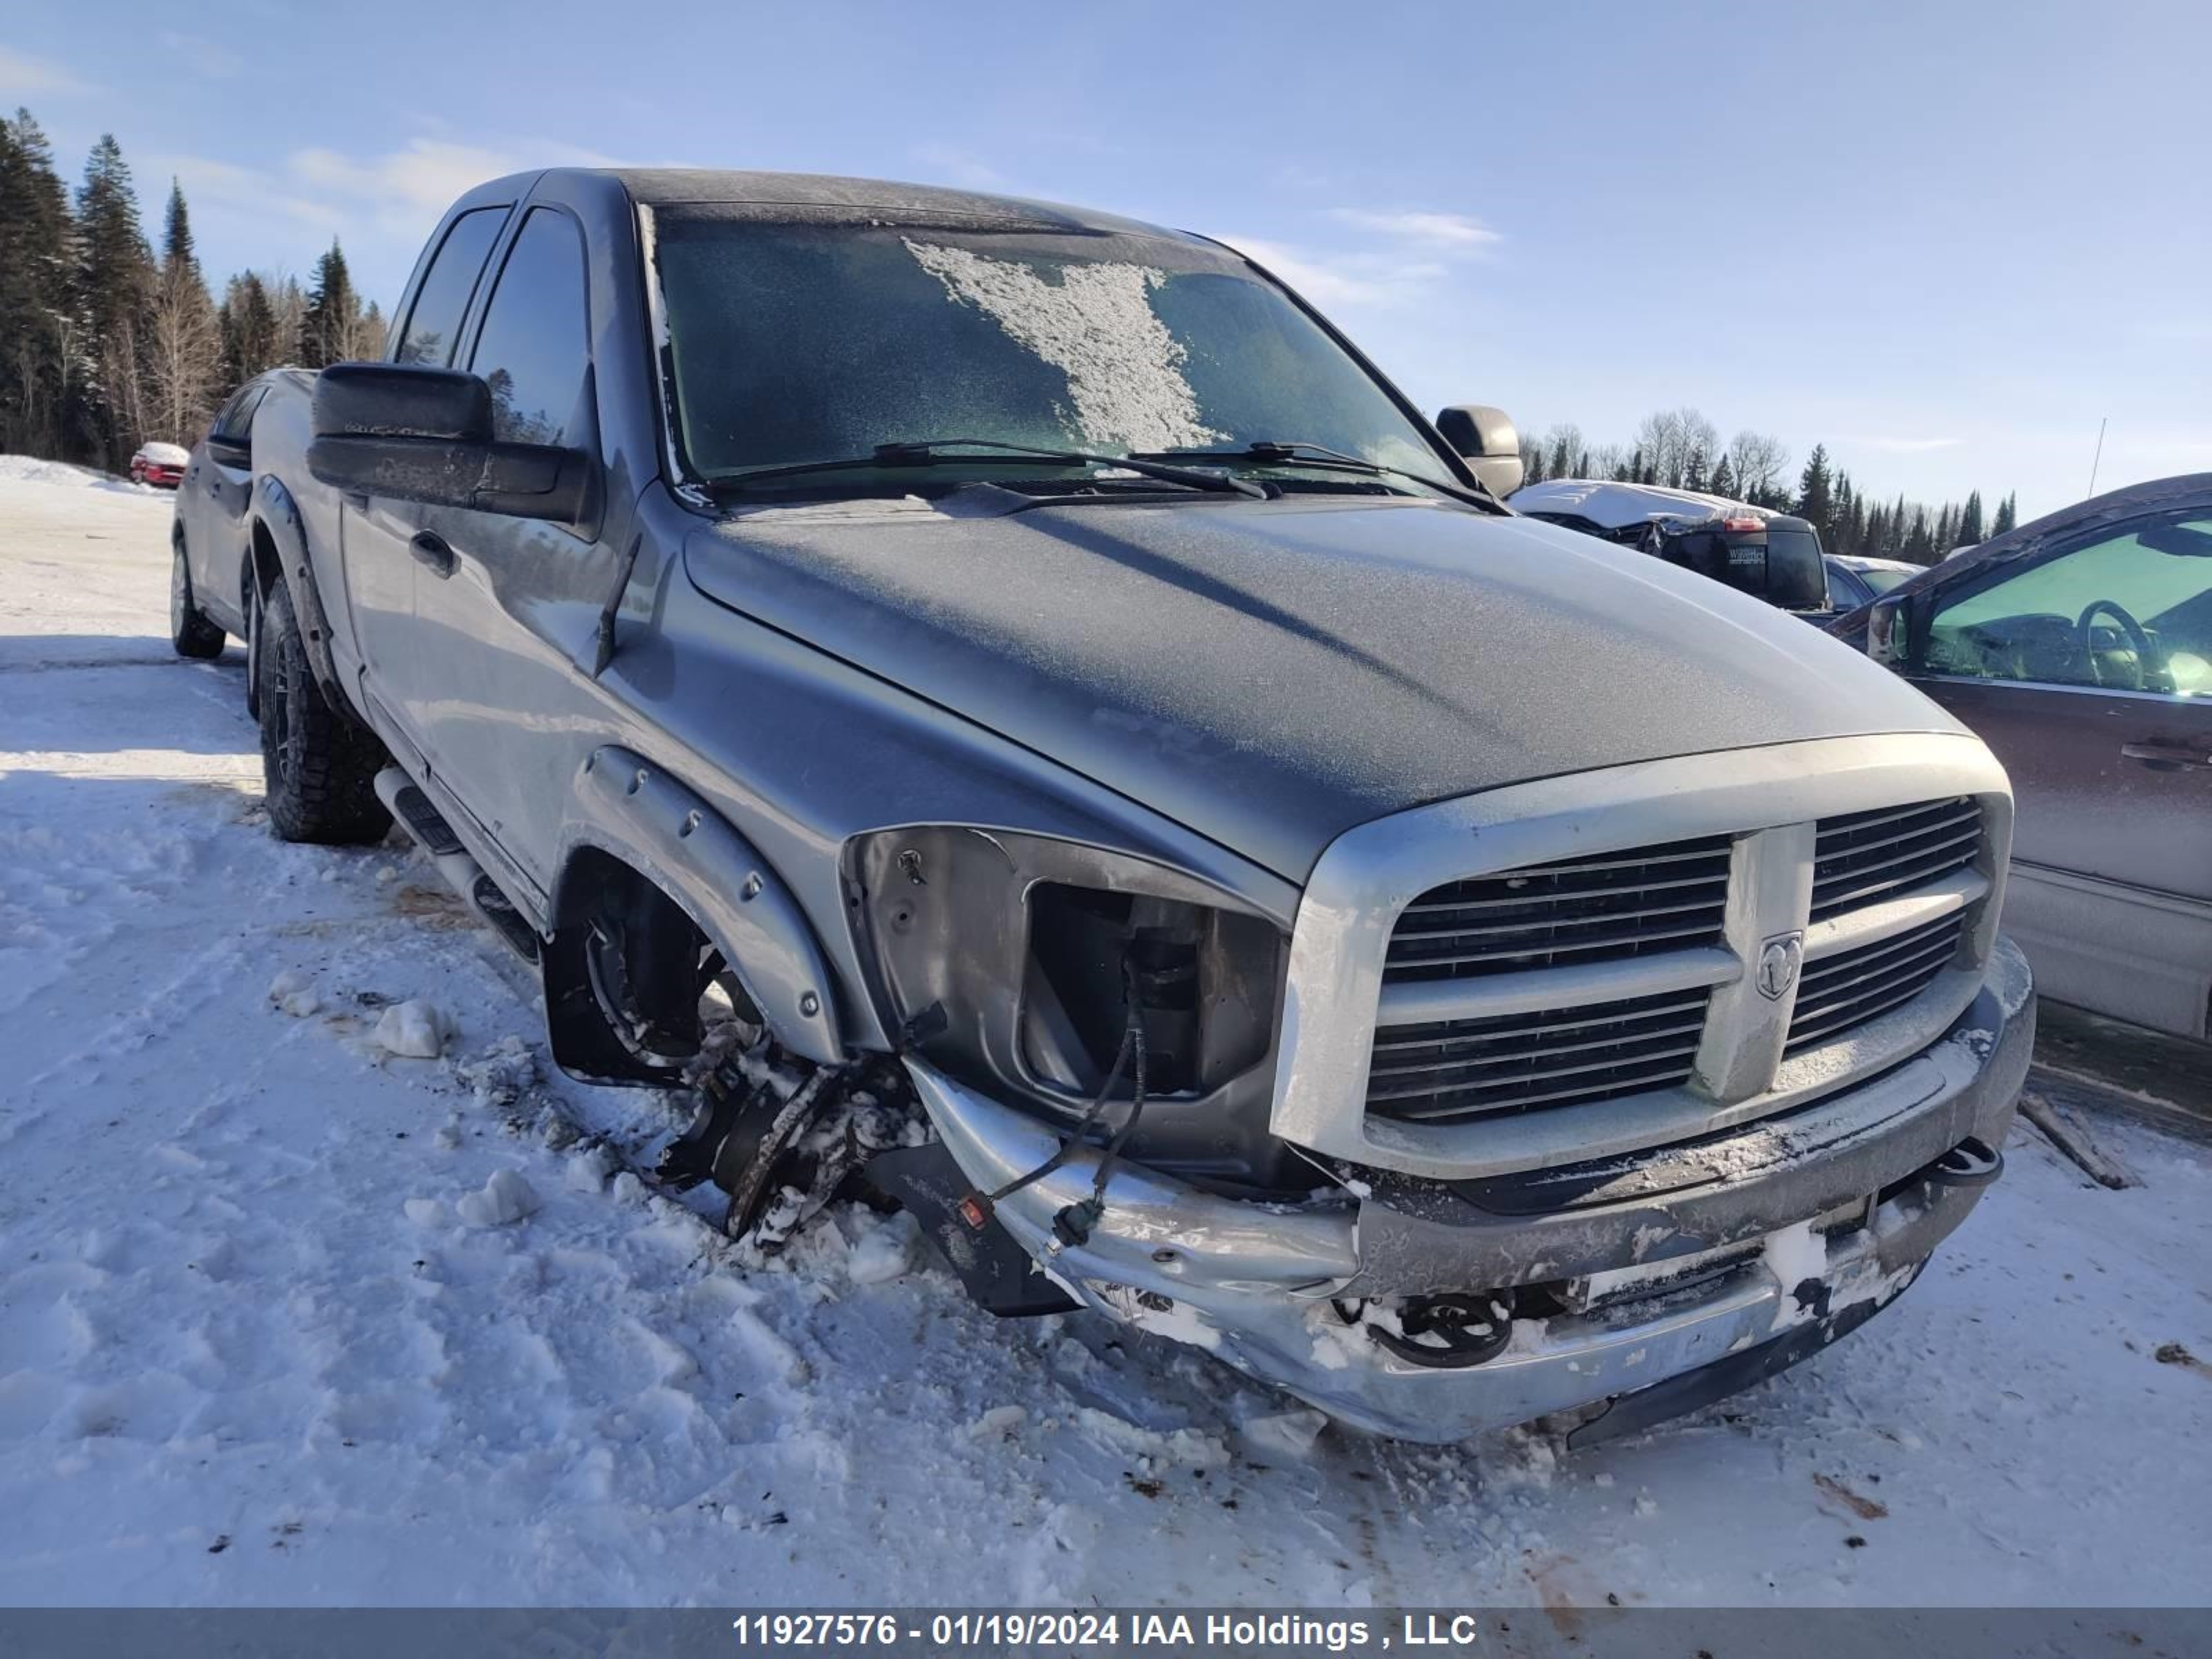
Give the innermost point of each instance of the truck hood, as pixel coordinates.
(1270, 674)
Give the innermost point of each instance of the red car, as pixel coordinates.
(161, 465)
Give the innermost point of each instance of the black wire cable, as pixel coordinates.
(1132, 1043)
(1136, 1030)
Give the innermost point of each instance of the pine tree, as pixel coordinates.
(1722, 483)
(1694, 470)
(36, 325)
(2008, 517)
(114, 281)
(183, 339)
(1815, 493)
(251, 343)
(326, 328)
(1970, 521)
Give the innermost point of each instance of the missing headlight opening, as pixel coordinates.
(1009, 967)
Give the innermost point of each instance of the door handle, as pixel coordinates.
(431, 550)
(2163, 754)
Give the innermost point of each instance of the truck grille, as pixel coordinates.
(1854, 987)
(1577, 910)
(1862, 858)
(1450, 1070)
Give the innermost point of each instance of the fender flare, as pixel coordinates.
(628, 808)
(276, 512)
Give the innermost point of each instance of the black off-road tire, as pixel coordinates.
(193, 634)
(318, 766)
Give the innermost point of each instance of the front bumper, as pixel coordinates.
(1258, 1283)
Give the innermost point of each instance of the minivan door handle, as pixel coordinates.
(431, 549)
(2163, 754)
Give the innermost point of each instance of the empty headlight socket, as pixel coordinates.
(1002, 954)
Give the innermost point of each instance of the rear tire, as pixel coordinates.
(193, 634)
(317, 765)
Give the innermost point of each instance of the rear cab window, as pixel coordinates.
(441, 303)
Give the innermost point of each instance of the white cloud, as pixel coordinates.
(1457, 232)
(402, 192)
(1332, 279)
(21, 73)
(246, 192)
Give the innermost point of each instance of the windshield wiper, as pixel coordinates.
(934, 452)
(1320, 455)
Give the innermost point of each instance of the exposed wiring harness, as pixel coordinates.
(1073, 1224)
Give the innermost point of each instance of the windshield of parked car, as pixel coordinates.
(792, 340)
(1880, 580)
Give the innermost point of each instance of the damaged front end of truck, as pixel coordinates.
(1598, 1096)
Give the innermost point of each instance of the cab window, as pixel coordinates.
(2130, 611)
(535, 346)
(434, 325)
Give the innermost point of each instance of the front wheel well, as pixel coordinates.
(263, 564)
(623, 975)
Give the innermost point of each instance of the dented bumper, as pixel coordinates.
(1675, 1260)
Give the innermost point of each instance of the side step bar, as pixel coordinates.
(421, 818)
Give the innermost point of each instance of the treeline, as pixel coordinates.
(104, 345)
(1680, 448)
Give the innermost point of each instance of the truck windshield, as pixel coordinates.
(792, 342)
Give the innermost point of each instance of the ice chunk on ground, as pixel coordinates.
(1189, 1447)
(627, 1187)
(588, 1171)
(507, 1197)
(429, 1213)
(295, 994)
(1285, 1434)
(413, 1030)
(999, 1423)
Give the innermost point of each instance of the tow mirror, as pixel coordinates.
(1889, 630)
(425, 434)
(1485, 440)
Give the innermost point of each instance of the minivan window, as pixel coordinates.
(535, 345)
(434, 327)
(2129, 612)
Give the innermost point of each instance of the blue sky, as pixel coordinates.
(1945, 240)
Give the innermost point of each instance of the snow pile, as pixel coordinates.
(413, 1030)
(884, 1250)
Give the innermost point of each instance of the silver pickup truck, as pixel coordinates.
(1009, 705)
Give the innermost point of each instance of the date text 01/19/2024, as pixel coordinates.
(1095, 1628)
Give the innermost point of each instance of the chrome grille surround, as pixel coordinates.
(1769, 807)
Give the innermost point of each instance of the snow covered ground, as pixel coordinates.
(287, 1319)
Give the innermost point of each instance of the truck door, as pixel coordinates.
(2088, 668)
(508, 608)
(377, 538)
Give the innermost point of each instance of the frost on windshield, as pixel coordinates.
(1125, 371)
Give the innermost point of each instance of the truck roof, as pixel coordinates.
(862, 200)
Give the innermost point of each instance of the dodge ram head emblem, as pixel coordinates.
(1778, 961)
